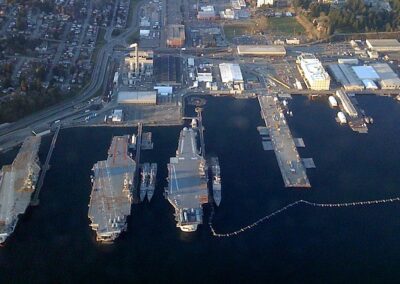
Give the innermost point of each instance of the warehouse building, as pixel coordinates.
(383, 45)
(231, 76)
(261, 50)
(175, 35)
(204, 74)
(230, 73)
(343, 74)
(167, 70)
(388, 78)
(206, 13)
(314, 74)
(365, 72)
(137, 97)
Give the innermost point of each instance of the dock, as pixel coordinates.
(45, 168)
(290, 164)
(355, 118)
(137, 158)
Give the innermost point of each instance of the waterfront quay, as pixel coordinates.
(290, 164)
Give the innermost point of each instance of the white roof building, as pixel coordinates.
(271, 50)
(137, 97)
(382, 45)
(230, 73)
(116, 115)
(315, 76)
(365, 72)
(264, 2)
(369, 84)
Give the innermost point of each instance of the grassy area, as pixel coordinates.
(232, 31)
(285, 26)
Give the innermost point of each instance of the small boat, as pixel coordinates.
(216, 181)
(152, 181)
(145, 181)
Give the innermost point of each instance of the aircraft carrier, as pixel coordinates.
(112, 186)
(17, 183)
(187, 187)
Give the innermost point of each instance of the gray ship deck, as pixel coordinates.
(187, 189)
(292, 169)
(17, 185)
(111, 197)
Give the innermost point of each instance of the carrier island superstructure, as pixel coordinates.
(17, 183)
(112, 187)
(187, 182)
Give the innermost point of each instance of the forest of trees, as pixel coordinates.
(354, 16)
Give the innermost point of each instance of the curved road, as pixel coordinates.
(14, 133)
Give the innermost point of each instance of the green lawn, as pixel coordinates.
(232, 31)
(285, 25)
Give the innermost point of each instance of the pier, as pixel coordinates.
(356, 121)
(137, 156)
(290, 164)
(46, 166)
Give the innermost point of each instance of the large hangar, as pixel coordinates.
(137, 97)
(261, 50)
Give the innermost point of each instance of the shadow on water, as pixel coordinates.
(54, 243)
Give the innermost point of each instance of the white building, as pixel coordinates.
(315, 76)
(116, 115)
(137, 97)
(264, 2)
(230, 73)
(382, 45)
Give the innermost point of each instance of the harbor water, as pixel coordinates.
(54, 243)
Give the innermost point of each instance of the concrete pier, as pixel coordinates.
(291, 166)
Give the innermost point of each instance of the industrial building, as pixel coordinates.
(139, 62)
(388, 78)
(116, 116)
(230, 73)
(238, 4)
(175, 35)
(137, 97)
(383, 45)
(204, 74)
(206, 13)
(164, 90)
(365, 72)
(261, 50)
(346, 103)
(265, 2)
(315, 76)
(343, 74)
(349, 61)
(167, 70)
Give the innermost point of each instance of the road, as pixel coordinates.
(13, 134)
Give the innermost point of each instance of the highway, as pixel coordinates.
(13, 134)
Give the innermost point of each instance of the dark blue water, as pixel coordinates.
(53, 242)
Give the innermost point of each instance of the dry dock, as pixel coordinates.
(291, 166)
(17, 183)
(111, 197)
